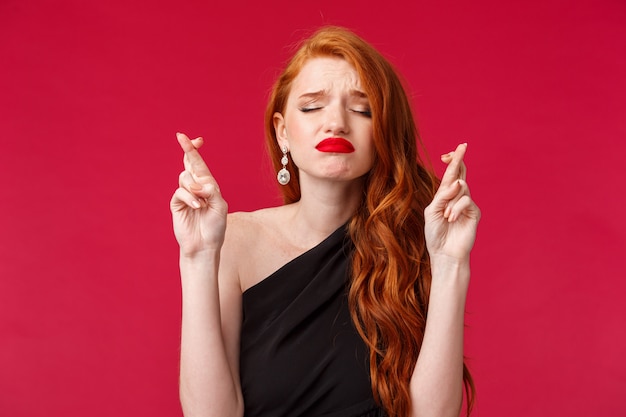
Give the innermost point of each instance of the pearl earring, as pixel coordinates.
(283, 175)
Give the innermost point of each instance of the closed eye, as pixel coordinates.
(308, 109)
(366, 113)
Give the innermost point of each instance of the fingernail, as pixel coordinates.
(195, 187)
(195, 204)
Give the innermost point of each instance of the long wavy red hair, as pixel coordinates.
(391, 276)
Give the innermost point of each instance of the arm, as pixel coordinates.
(451, 221)
(211, 316)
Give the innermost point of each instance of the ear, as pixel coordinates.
(281, 130)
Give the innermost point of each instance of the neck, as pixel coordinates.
(324, 206)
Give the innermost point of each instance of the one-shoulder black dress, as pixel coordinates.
(300, 354)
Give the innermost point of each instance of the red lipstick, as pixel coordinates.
(335, 145)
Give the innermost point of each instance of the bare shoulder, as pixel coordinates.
(247, 228)
(247, 251)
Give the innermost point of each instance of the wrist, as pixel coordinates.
(450, 269)
(199, 255)
(204, 260)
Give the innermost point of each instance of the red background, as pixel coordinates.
(91, 94)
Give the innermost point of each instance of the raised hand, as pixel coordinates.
(198, 209)
(452, 217)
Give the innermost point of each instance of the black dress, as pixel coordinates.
(300, 354)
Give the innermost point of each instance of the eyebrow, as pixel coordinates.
(322, 93)
(314, 94)
(358, 93)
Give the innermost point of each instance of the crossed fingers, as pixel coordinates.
(192, 160)
(456, 167)
(456, 191)
(196, 179)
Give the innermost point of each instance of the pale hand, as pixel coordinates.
(452, 217)
(198, 209)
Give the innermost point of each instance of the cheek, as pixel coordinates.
(294, 133)
(295, 129)
(371, 151)
(368, 141)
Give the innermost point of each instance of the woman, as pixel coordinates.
(349, 299)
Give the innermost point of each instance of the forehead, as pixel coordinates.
(326, 73)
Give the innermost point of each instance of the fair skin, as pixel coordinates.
(218, 260)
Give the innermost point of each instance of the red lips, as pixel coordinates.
(335, 145)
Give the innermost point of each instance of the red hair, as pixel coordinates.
(391, 276)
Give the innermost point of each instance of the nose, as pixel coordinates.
(336, 120)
